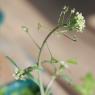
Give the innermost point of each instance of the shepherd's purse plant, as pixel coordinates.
(69, 21)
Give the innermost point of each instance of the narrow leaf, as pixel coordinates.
(72, 61)
(12, 61)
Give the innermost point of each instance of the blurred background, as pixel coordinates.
(16, 43)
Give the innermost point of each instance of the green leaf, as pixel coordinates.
(88, 85)
(72, 61)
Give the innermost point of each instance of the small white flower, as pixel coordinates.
(24, 28)
(16, 70)
(19, 74)
(73, 11)
(77, 22)
(64, 64)
(65, 10)
(64, 7)
(77, 13)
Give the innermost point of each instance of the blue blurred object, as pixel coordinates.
(1, 17)
(21, 87)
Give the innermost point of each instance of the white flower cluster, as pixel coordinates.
(71, 20)
(77, 22)
(19, 74)
(65, 65)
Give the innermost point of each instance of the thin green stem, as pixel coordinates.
(39, 55)
(49, 85)
(49, 50)
(41, 84)
(73, 39)
(45, 40)
(52, 81)
(33, 40)
(12, 61)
